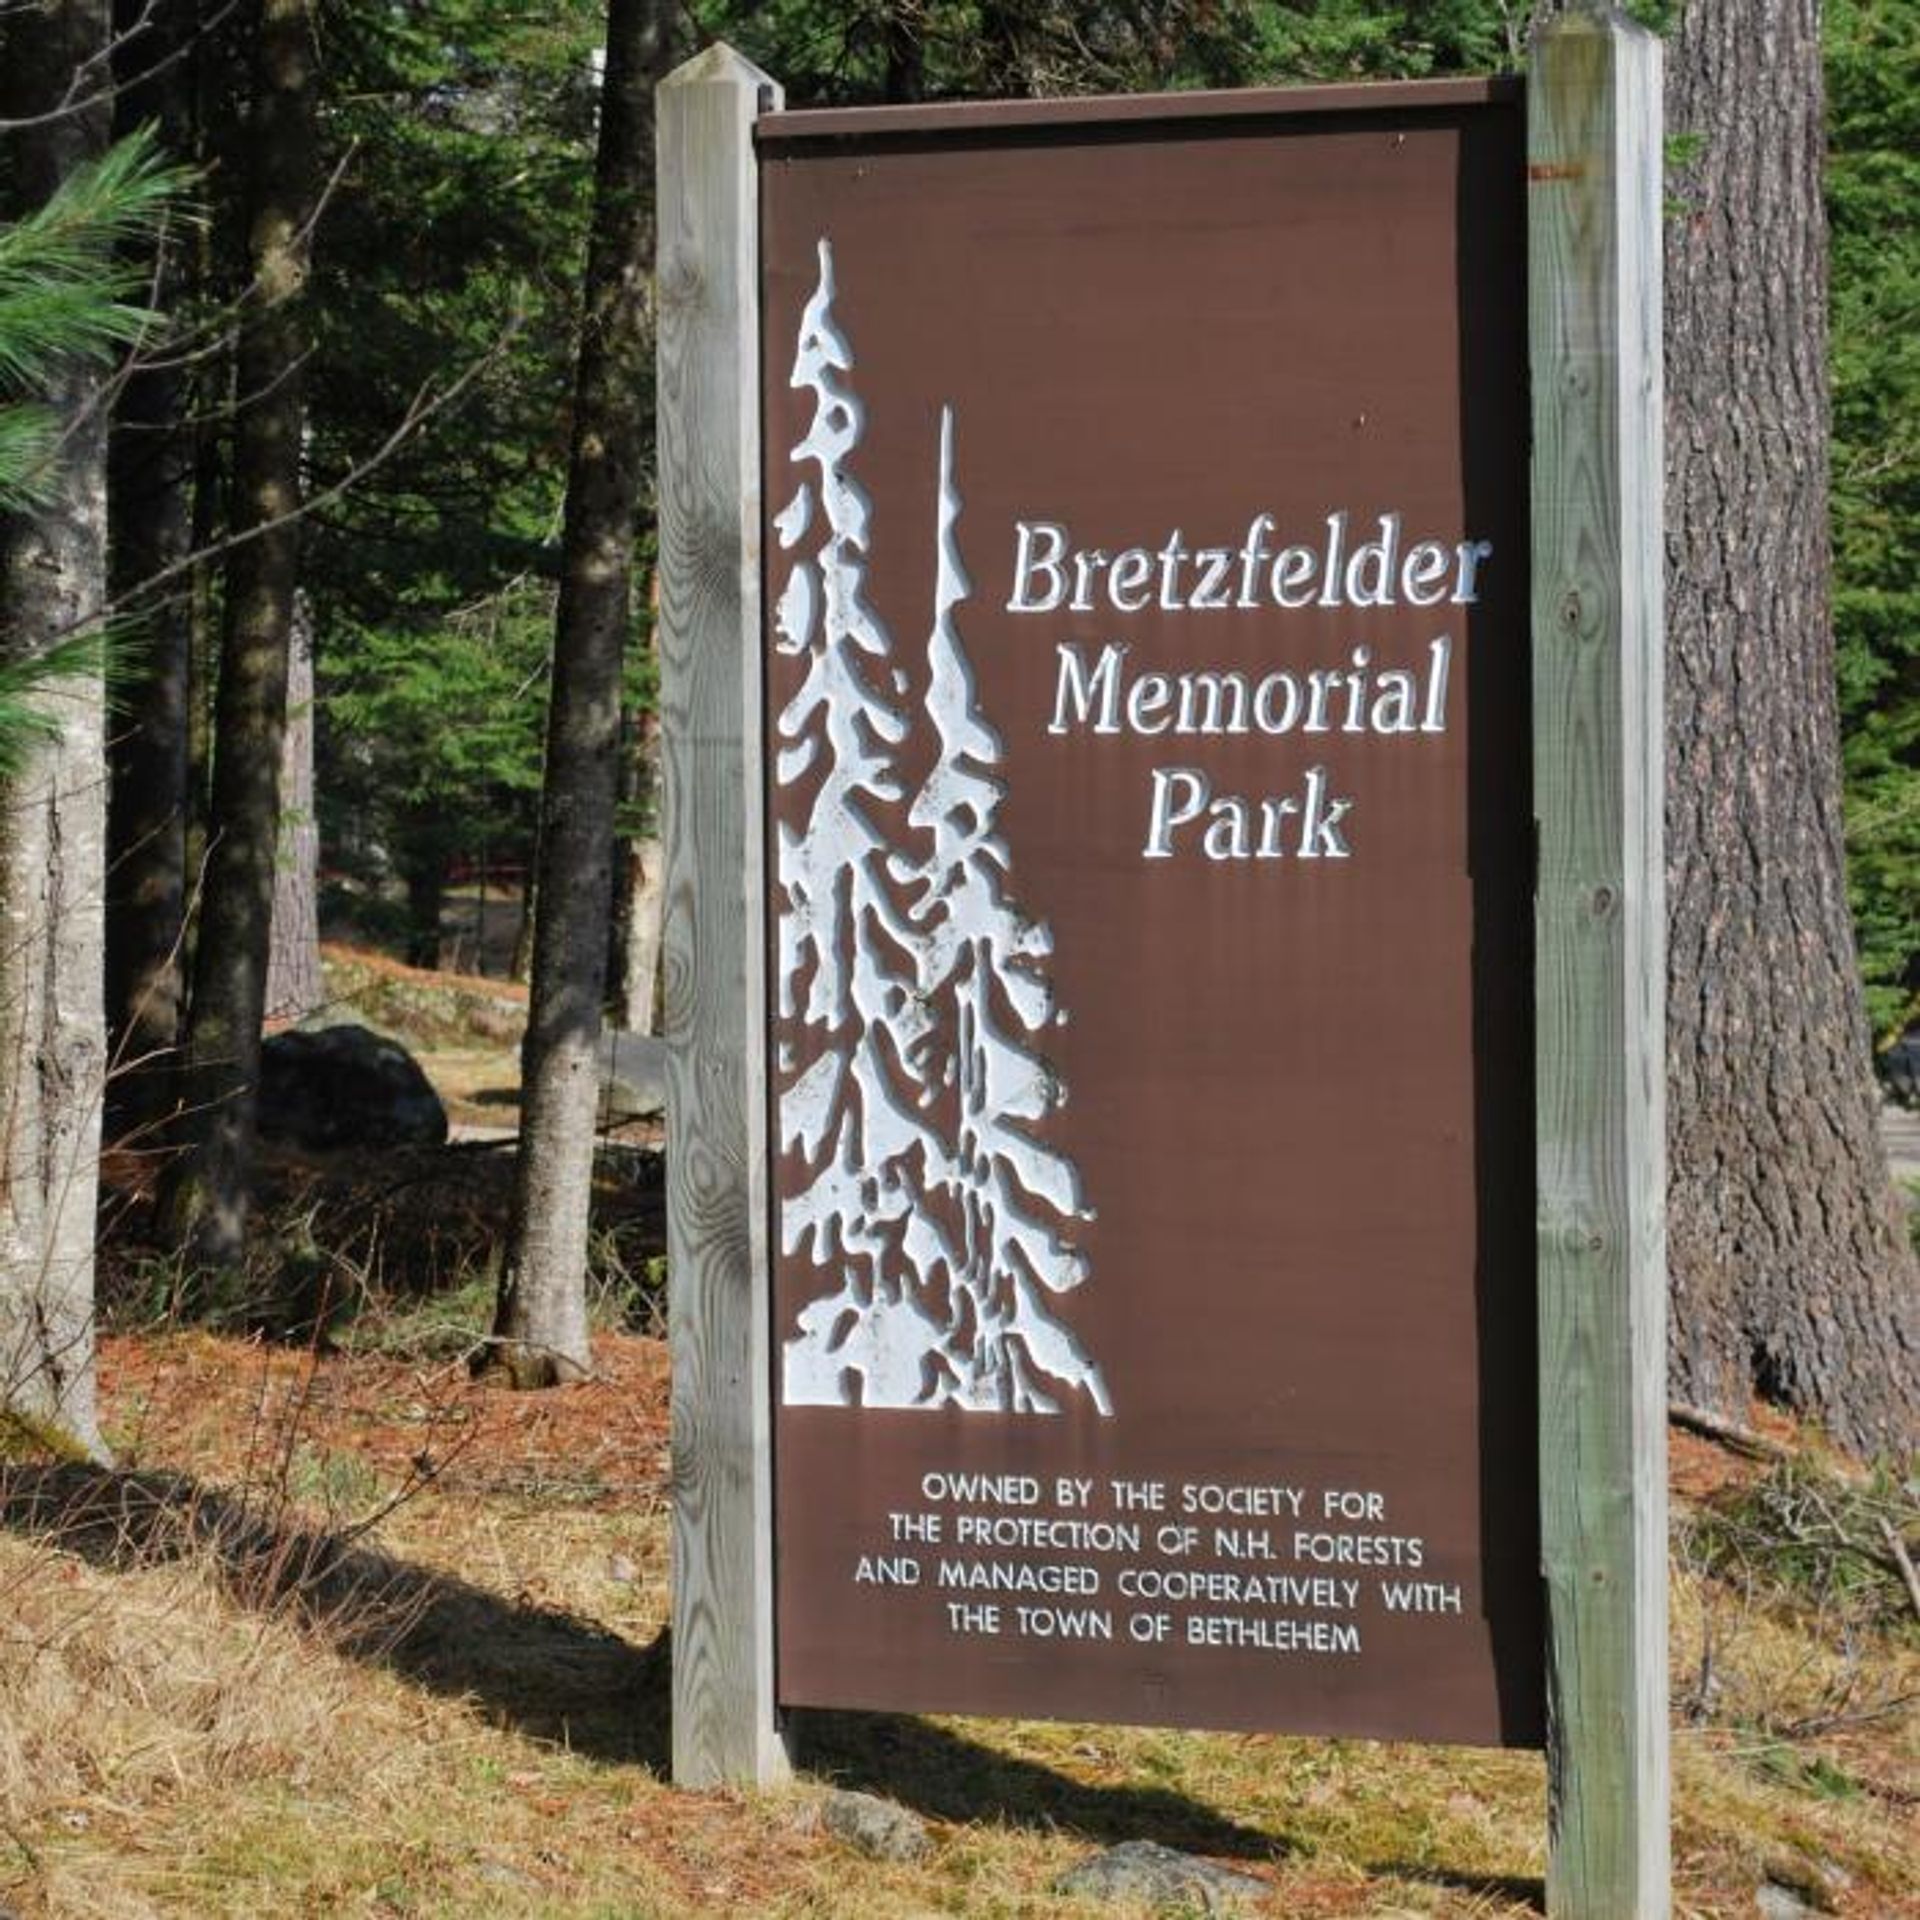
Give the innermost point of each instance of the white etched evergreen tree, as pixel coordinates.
(847, 954)
(910, 984)
(984, 985)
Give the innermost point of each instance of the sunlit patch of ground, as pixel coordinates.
(346, 1632)
(350, 1633)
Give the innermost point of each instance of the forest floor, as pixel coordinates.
(344, 1632)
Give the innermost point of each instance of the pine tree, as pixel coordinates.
(982, 967)
(927, 1193)
(540, 1325)
(848, 962)
(1791, 1272)
(65, 207)
(205, 1198)
(154, 445)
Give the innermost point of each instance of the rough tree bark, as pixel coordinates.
(294, 983)
(53, 813)
(541, 1326)
(204, 1199)
(153, 452)
(1791, 1272)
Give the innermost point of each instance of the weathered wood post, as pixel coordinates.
(724, 1720)
(1594, 173)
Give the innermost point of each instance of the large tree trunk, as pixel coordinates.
(294, 984)
(1791, 1273)
(205, 1199)
(541, 1326)
(151, 463)
(53, 814)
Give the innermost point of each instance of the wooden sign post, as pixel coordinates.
(1593, 206)
(1163, 973)
(725, 1724)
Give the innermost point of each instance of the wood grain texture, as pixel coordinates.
(1594, 165)
(724, 1721)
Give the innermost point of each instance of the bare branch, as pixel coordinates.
(424, 406)
(82, 97)
(1903, 1560)
(1728, 1433)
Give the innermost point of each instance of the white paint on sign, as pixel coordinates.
(939, 1217)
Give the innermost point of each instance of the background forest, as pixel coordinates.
(466, 202)
(450, 243)
(456, 141)
(389, 425)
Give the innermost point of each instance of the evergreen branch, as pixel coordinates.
(47, 322)
(27, 716)
(27, 435)
(101, 204)
(63, 275)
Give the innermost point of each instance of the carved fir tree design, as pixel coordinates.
(982, 975)
(843, 940)
(928, 1206)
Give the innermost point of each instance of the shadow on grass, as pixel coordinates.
(949, 1777)
(537, 1670)
(1516, 1889)
(561, 1679)
(550, 1674)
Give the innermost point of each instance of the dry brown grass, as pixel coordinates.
(128, 1685)
(218, 1697)
(350, 1634)
(140, 1706)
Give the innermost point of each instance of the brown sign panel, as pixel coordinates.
(1149, 913)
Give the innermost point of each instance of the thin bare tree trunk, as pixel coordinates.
(640, 930)
(642, 890)
(294, 985)
(204, 1201)
(520, 967)
(53, 576)
(541, 1326)
(1791, 1272)
(151, 461)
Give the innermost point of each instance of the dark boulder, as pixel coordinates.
(346, 1086)
(633, 1076)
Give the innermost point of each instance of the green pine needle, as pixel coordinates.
(68, 281)
(30, 686)
(27, 437)
(65, 276)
